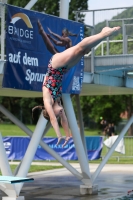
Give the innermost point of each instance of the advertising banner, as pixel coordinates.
(32, 38)
(16, 147)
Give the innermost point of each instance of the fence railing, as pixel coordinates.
(128, 143)
(102, 46)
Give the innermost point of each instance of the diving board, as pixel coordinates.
(12, 180)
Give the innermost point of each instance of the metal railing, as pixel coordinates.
(103, 44)
(97, 19)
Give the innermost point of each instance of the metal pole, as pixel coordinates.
(4, 165)
(107, 24)
(92, 49)
(123, 132)
(81, 124)
(77, 16)
(77, 138)
(126, 41)
(48, 126)
(30, 4)
(15, 120)
(2, 8)
(6, 171)
(64, 9)
(31, 150)
(123, 31)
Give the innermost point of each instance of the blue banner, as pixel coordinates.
(16, 147)
(32, 38)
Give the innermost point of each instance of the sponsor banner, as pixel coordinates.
(16, 147)
(29, 50)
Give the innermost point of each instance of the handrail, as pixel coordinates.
(101, 43)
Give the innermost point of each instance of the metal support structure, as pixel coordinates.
(107, 24)
(123, 132)
(43, 145)
(125, 40)
(64, 9)
(6, 171)
(2, 8)
(4, 165)
(77, 16)
(31, 150)
(77, 139)
(48, 126)
(92, 49)
(124, 34)
(30, 4)
(81, 124)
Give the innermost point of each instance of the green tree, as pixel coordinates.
(18, 3)
(77, 5)
(44, 6)
(52, 7)
(108, 107)
(21, 108)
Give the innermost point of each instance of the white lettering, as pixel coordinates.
(30, 60)
(27, 34)
(14, 58)
(15, 31)
(20, 32)
(31, 76)
(10, 29)
(27, 78)
(31, 34)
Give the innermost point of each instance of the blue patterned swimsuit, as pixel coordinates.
(53, 80)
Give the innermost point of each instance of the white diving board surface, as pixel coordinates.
(12, 180)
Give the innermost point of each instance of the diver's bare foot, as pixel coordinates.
(107, 31)
(49, 30)
(40, 28)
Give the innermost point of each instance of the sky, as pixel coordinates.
(103, 4)
(100, 4)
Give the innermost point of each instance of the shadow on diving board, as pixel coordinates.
(12, 180)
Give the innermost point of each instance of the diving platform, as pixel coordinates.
(110, 77)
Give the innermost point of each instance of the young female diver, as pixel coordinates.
(58, 65)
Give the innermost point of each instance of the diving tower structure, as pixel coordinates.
(103, 75)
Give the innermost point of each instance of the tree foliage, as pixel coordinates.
(77, 5)
(107, 106)
(53, 7)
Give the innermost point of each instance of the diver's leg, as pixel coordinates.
(71, 56)
(46, 39)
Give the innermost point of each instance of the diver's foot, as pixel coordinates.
(40, 28)
(107, 31)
